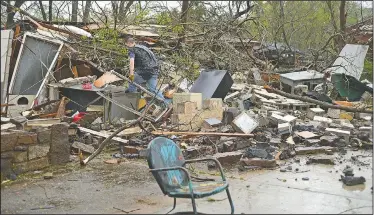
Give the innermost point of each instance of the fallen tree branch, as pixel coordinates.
(107, 140)
(310, 100)
(201, 133)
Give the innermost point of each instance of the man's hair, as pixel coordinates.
(129, 39)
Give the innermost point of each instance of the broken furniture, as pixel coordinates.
(213, 84)
(167, 164)
(290, 80)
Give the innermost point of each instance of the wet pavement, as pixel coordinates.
(128, 186)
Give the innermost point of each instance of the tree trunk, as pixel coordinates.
(86, 14)
(183, 21)
(50, 11)
(11, 13)
(42, 10)
(115, 13)
(343, 16)
(123, 10)
(317, 102)
(74, 11)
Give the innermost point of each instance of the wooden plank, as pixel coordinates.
(102, 134)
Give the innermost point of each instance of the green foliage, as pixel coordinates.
(141, 14)
(107, 38)
(368, 70)
(190, 67)
(163, 18)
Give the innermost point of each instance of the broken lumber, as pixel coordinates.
(201, 133)
(102, 134)
(322, 104)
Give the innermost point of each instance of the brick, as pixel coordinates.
(228, 158)
(321, 160)
(8, 140)
(258, 162)
(313, 150)
(44, 137)
(27, 138)
(184, 97)
(186, 108)
(131, 150)
(38, 151)
(32, 165)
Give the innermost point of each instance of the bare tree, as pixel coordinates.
(74, 11)
(50, 11)
(86, 14)
(42, 10)
(183, 21)
(123, 10)
(10, 11)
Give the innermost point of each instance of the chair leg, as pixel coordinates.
(175, 202)
(194, 204)
(230, 200)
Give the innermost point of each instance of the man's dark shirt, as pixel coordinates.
(145, 62)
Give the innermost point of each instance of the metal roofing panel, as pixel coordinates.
(303, 75)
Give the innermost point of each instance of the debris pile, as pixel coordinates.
(59, 106)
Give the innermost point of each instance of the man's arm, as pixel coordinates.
(132, 62)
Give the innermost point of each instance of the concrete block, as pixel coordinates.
(228, 158)
(32, 165)
(44, 137)
(186, 108)
(212, 104)
(38, 151)
(60, 147)
(284, 128)
(27, 138)
(322, 119)
(290, 119)
(315, 112)
(258, 162)
(187, 97)
(15, 156)
(333, 113)
(244, 123)
(8, 140)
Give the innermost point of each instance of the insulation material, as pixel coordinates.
(107, 78)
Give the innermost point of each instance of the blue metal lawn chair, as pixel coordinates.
(166, 162)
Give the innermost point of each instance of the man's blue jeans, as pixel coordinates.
(151, 85)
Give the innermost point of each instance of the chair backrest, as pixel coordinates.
(163, 153)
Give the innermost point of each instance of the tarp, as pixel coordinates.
(349, 87)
